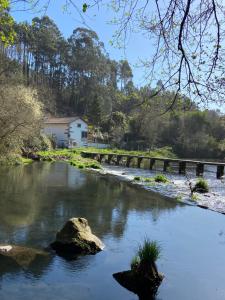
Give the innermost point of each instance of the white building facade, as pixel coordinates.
(67, 132)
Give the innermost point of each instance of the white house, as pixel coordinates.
(68, 132)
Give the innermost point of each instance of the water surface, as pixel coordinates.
(35, 202)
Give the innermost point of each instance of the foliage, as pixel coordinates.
(137, 178)
(77, 77)
(71, 156)
(161, 178)
(201, 186)
(7, 33)
(147, 254)
(39, 142)
(194, 197)
(159, 152)
(135, 262)
(20, 117)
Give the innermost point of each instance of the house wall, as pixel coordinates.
(59, 131)
(76, 133)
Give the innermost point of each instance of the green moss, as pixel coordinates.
(161, 178)
(73, 156)
(147, 179)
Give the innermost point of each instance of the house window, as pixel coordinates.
(84, 134)
(79, 125)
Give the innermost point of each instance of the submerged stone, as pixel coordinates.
(20, 256)
(76, 237)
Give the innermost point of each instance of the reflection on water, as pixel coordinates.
(36, 200)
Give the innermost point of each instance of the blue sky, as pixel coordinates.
(98, 20)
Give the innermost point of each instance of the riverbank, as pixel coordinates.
(173, 186)
(14, 160)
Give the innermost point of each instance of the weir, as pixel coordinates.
(182, 163)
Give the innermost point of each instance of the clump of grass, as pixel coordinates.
(146, 256)
(161, 178)
(149, 252)
(147, 179)
(194, 197)
(137, 178)
(201, 186)
(179, 198)
(135, 262)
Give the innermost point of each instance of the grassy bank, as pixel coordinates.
(14, 160)
(160, 152)
(73, 156)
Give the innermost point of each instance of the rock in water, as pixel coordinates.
(144, 286)
(20, 256)
(76, 238)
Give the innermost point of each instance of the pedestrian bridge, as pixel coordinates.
(182, 163)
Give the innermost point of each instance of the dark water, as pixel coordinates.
(35, 202)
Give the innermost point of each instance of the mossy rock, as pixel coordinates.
(76, 237)
(20, 256)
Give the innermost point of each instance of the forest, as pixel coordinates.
(42, 73)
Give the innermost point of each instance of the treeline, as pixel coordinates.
(76, 76)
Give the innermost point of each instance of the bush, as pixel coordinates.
(137, 178)
(201, 186)
(161, 178)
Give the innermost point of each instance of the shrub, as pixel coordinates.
(161, 178)
(137, 178)
(201, 186)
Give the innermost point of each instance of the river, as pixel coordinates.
(37, 199)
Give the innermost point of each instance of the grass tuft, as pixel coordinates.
(161, 178)
(201, 186)
(146, 256)
(149, 252)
